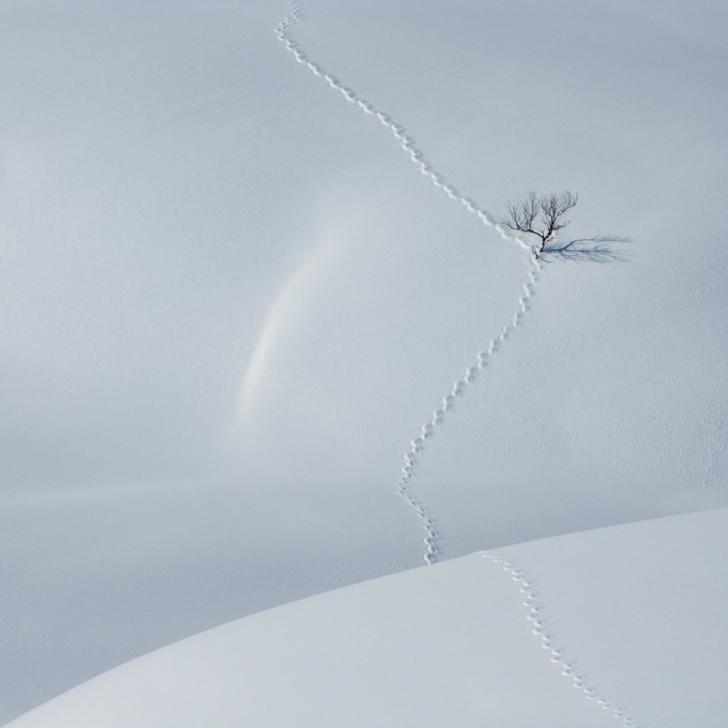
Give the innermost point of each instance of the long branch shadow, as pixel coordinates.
(597, 249)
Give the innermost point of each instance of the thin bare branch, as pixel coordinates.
(540, 216)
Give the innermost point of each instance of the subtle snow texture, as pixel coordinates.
(229, 297)
(637, 613)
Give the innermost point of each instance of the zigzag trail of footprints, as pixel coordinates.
(430, 427)
(539, 628)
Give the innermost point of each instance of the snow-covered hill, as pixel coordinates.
(632, 619)
(230, 299)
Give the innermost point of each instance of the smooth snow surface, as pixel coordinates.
(635, 615)
(230, 300)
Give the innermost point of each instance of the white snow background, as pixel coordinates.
(631, 617)
(229, 300)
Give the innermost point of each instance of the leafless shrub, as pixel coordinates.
(540, 216)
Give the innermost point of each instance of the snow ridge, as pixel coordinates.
(417, 157)
(535, 615)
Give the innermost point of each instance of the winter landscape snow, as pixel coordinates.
(250, 273)
(459, 644)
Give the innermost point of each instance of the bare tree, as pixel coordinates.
(541, 216)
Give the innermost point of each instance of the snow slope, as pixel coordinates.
(229, 300)
(634, 618)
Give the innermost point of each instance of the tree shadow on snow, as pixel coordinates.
(597, 249)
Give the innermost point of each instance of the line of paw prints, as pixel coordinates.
(539, 628)
(430, 428)
(406, 142)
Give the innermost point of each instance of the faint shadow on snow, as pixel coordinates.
(597, 249)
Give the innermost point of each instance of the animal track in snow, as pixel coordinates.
(417, 157)
(535, 614)
(412, 456)
(431, 425)
(406, 142)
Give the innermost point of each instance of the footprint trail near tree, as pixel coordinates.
(413, 455)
